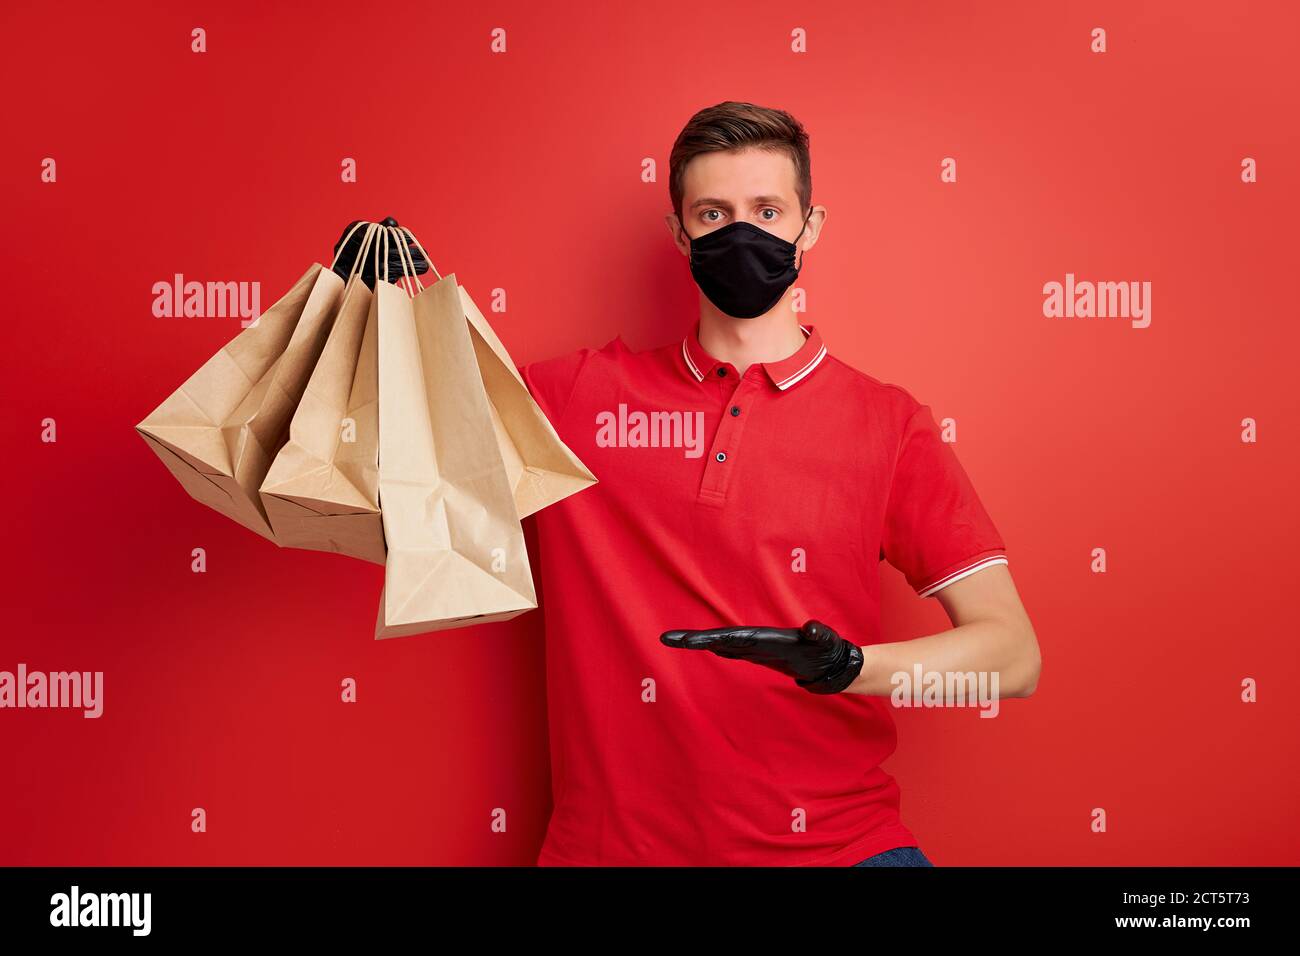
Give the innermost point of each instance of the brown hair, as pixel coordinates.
(733, 125)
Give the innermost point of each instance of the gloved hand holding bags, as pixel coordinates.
(391, 426)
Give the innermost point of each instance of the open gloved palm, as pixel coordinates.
(816, 657)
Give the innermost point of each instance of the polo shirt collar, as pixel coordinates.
(783, 373)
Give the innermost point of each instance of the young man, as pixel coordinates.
(717, 692)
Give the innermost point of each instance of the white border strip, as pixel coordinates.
(958, 575)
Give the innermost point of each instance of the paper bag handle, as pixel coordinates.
(348, 238)
(410, 276)
(384, 232)
(423, 253)
(405, 281)
(355, 272)
(408, 263)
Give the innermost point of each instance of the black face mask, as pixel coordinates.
(743, 269)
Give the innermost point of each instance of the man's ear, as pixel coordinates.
(680, 239)
(816, 220)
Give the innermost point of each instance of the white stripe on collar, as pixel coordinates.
(812, 364)
(783, 384)
(686, 354)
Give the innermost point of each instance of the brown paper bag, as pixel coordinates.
(541, 468)
(456, 552)
(322, 491)
(219, 432)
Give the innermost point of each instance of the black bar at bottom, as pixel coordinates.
(951, 906)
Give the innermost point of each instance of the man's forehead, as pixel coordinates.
(749, 176)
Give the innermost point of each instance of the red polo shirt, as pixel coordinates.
(759, 499)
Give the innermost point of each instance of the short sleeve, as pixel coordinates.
(936, 528)
(552, 381)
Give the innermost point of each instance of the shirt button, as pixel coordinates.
(721, 371)
(722, 456)
(735, 410)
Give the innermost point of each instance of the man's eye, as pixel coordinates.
(772, 211)
(706, 215)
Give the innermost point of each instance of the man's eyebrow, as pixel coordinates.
(711, 201)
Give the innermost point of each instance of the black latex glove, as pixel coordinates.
(817, 658)
(348, 256)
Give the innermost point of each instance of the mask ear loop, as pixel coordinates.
(689, 248)
(799, 267)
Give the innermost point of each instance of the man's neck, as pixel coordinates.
(744, 342)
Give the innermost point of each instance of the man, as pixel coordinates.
(717, 692)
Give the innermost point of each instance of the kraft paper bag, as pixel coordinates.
(456, 551)
(219, 432)
(322, 491)
(541, 468)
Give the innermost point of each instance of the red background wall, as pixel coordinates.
(522, 171)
